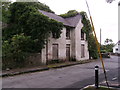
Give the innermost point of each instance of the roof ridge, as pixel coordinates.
(65, 21)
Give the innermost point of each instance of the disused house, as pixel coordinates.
(71, 44)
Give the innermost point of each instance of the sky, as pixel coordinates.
(104, 15)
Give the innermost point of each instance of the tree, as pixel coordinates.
(108, 47)
(28, 29)
(70, 13)
(107, 41)
(28, 20)
(5, 11)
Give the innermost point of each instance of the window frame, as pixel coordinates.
(68, 33)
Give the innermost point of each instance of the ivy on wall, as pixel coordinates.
(27, 31)
(87, 29)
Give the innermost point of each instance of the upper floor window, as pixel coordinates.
(82, 36)
(116, 49)
(67, 33)
(54, 35)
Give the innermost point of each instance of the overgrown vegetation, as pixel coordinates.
(27, 31)
(70, 13)
(108, 46)
(87, 29)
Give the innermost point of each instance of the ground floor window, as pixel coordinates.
(55, 51)
(82, 50)
(67, 52)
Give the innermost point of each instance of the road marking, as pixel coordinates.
(107, 70)
(115, 78)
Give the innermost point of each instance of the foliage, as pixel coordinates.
(93, 52)
(70, 13)
(87, 29)
(108, 47)
(16, 50)
(55, 61)
(5, 12)
(27, 31)
(40, 6)
(108, 41)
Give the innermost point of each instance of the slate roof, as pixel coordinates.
(71, 21)
(117, 43)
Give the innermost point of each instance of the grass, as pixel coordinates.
(66, 63)
(100, 88)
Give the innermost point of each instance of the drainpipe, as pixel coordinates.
(46, 52)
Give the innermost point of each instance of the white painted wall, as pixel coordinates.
(116, 47)
(75, 45)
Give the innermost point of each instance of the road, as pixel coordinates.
(76, 76)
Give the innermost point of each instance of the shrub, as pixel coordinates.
(72, 59)
(55, 61)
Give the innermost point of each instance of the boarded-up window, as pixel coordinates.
(82, 50)
(67, 33)
(67, 52)
(55, 51)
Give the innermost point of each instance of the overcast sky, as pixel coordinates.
(105, 15)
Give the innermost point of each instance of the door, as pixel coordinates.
(68, 52)
(55, 51)
(82, 51)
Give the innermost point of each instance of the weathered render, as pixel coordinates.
(70, 44)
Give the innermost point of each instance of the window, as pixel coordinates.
(67, 33)
(116, 49)
(54, 35)
(82, 35)
(55, 51)
(67, 52)
(82, 50)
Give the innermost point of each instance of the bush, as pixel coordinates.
(103, 51)
(15, 52)
(70, 13)
(73, 59)
(55, 61)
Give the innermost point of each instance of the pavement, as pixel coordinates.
(75, 77)
(19, 71)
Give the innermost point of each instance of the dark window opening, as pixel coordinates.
(116, 49)
(67, 33)
(82, 36)
(54, 35)
(82, 50)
